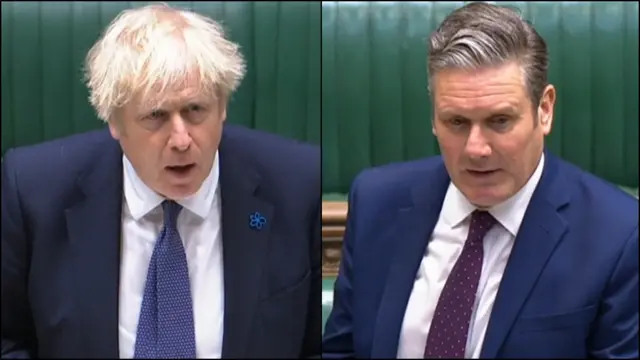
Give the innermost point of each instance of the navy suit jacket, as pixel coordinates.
(570, 289)
(61, 225)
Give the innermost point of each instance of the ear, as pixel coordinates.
(222, 104)
(434, 131)
(114, 129)
(545, 109)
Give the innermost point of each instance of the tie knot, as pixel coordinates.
(481, 223)
(171, 210)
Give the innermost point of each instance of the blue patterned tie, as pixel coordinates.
(165, 328)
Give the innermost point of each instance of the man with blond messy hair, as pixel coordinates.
(169, 234)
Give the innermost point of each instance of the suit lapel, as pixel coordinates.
(94, 225)
(244, 248)
(541, 231)
(413, 225)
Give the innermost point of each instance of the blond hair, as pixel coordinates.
(156, 48)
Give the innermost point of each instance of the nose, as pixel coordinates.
(477, 145)
(180, 139)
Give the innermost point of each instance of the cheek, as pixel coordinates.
(514, 150)
(451, 147)
(208, 137)
(508, 146)
(202, 141)
(147, 151)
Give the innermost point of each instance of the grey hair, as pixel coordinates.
(147, 50)
(481, 35)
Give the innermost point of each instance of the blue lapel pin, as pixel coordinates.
(257, 221)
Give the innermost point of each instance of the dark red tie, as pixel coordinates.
(450, 324)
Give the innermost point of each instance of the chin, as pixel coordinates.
(179, 192)
(178, 188)
(484, 203)
(485, 198)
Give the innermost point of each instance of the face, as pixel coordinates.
(172, 144)
(490, 137)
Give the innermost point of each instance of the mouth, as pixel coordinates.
(180, 169)
(482, 173)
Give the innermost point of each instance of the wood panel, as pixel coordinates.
(334, 218)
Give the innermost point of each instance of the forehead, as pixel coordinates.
(480, 89)
(172, 95)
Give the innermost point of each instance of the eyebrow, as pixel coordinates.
(155, 105)
(505, 110)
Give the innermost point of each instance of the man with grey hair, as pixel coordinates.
(497, 248)
(169, 234)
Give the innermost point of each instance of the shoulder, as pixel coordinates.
(43, 178)
(600, 202)
(392, 181)
(56, 160)
(272, 150)
(274, 155)
(288, 168)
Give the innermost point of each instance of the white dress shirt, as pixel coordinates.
(443, 250)
(199, 225)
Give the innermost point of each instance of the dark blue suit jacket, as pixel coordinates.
(61, 223)
(570, 289)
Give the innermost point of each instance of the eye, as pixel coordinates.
(500, 122)
(195, 113)
(456, 121)
(157, 114)
(195, 107)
